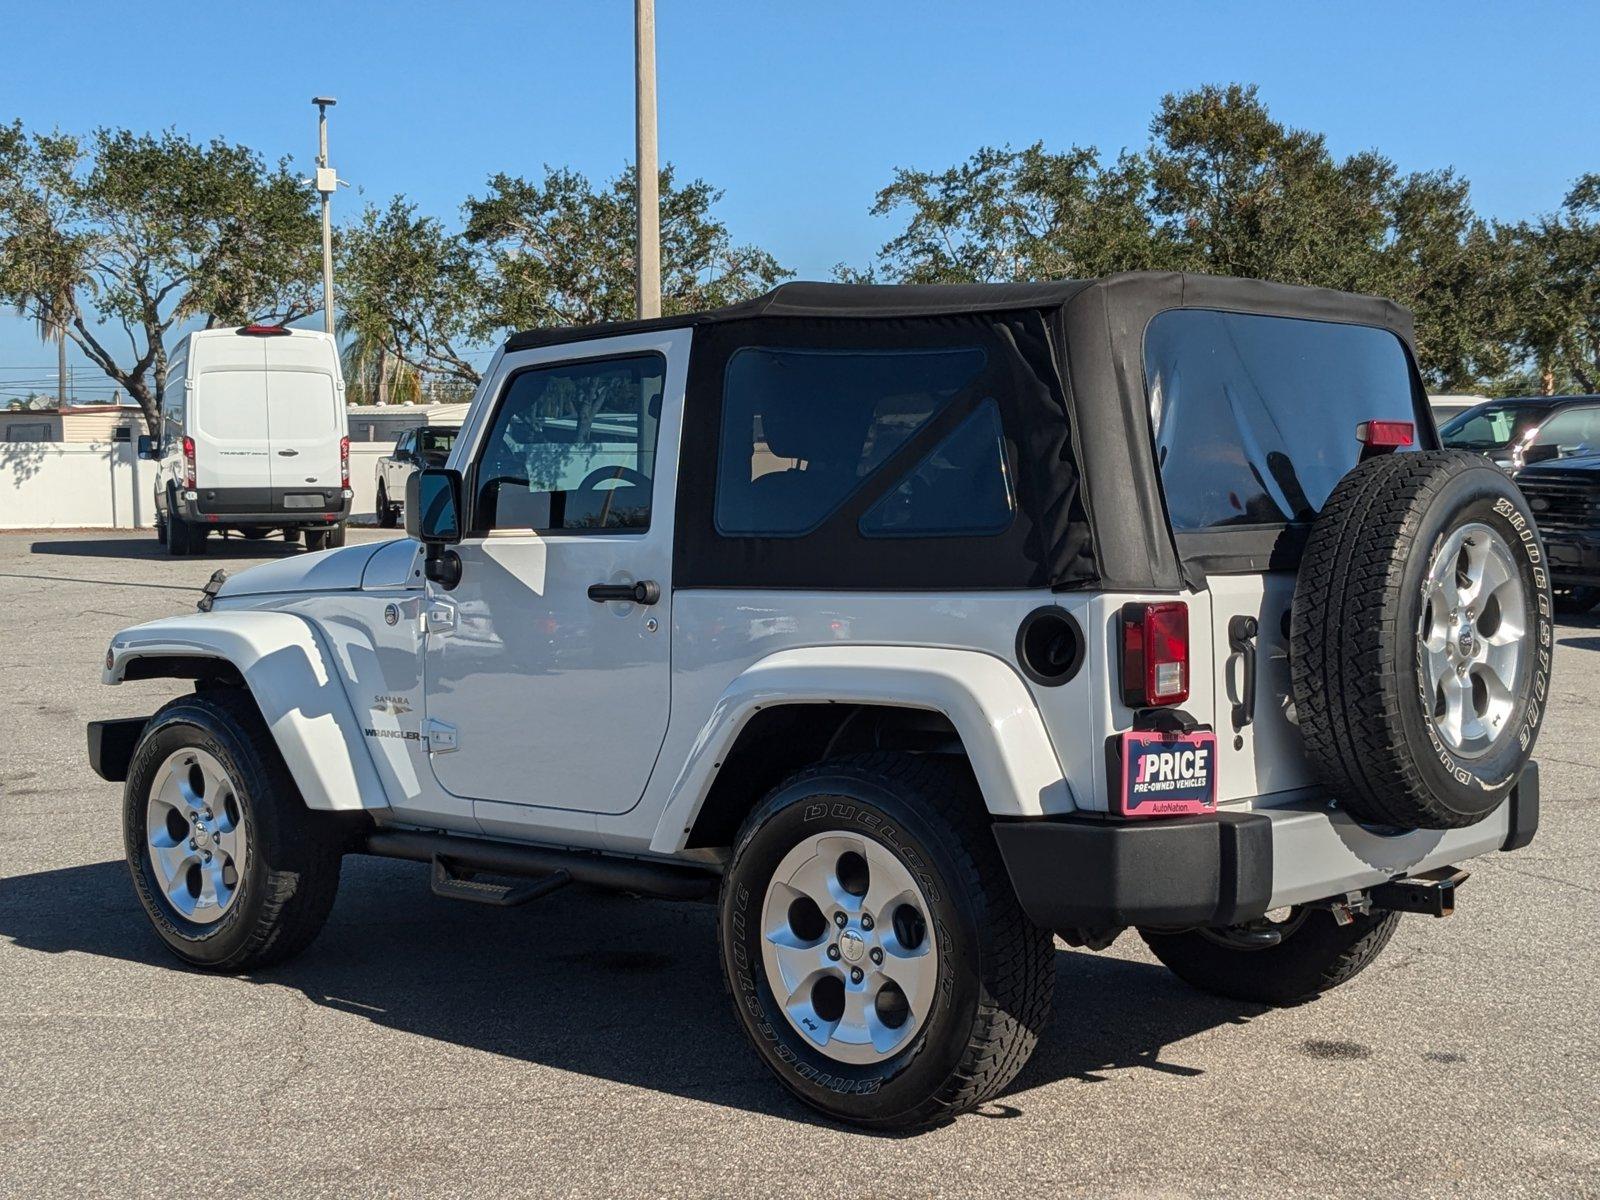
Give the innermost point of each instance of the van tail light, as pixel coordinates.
(1382, 436)
(1155, 654)
(263, 331)
(344, 462)
(188, 462)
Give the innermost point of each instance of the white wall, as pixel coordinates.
(61, 485)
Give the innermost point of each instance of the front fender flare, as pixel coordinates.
(296, 684)
(984, 698)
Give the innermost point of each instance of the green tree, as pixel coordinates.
(1009, 216)
(142, 232)
(1554, 272)
(1221, 188)
(563, 252)
(413, 302)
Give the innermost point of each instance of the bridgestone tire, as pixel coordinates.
(1357, 655)
(995, 970)
(292, 857)
(1316, 955)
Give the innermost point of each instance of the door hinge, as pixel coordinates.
(441, 738)
(441, 617)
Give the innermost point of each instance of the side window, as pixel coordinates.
(801, 429)
(1575, 431)
(572, 447)
(406, 442)
(1255, 417)
(962, 488)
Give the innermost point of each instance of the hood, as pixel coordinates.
(1576, 464)
(325, 571)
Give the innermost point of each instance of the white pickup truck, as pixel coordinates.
(425, 446)
(911, 625)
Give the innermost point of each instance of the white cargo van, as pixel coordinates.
(252, 439)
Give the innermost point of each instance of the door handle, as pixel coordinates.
(646, 591)
(1242, 631)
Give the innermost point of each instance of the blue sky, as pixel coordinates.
(800, 111)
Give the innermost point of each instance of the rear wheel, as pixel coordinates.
(161, 528)
(878, 959)
(335, 536)
(231, 868)
(292, 536)
(1575, 601)
(1315, 953)
(388, 515)
(178, 539)
(316, 539)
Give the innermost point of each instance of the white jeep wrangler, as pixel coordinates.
(914, 625)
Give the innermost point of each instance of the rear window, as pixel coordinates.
(232, 404)
(436, 441)
(1255, 417)
(302, 402)
(802, 429)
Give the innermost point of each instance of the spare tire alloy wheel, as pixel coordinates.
(1472, 639)
(1421, 640)
(846, 947)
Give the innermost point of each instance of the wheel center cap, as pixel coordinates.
(1465, 641)
(852, 946)
(202, 836)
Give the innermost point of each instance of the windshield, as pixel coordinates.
(1574, 431)
(1491, 428)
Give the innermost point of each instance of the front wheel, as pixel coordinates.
(878, 959)
(1314, 953)
(231, 868)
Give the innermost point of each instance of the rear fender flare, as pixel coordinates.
(985, 699)
(295, 682)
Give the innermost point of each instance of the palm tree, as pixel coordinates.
(372, 369)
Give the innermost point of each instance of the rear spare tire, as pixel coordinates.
(1421, 639)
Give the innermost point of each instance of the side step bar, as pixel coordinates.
(452, 883)
(462, 856)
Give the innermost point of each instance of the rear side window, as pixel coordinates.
(963, 488)
(802, 429)
(1255, 417)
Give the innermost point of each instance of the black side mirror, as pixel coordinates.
(433, 517)
(433, 506)
(147, 446)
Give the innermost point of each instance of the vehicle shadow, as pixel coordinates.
(587, 982)
(148, 548)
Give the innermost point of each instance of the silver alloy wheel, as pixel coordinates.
(848, 946)
(1472, 632)
(194, 829)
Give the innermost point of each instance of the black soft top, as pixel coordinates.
(1097, 520)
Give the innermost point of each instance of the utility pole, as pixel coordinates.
(644, 91)
(61, 367)
(327, 182)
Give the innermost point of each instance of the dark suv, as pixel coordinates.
(1561, 480)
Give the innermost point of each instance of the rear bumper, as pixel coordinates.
(265, 506)
(1085, 872)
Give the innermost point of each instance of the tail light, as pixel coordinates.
(188, 462)
(1380, 437)
(1155, 654)
(344, 462)
(263, 331)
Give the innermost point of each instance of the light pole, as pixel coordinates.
(327, 182)
(644, 92)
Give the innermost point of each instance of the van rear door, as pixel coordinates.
(1255, 421)
(307, 420)
(228, 414)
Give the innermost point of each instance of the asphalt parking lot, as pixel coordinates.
(583, 1045)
